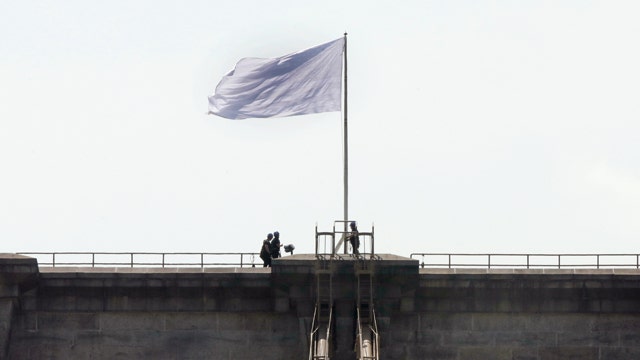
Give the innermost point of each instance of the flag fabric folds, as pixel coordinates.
(305, 82)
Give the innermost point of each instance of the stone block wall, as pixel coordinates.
(515, 315)
(155, 335)
(182, 313)
(512, 336)
(141, 314)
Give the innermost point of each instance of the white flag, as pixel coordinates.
(306, 82)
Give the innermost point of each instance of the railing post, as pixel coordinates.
(163, 254)
(488, 261)
(202, 261)
(241, 259)
(373, 252)
(527, 261)
(53, 260)
(449, 261)
(598, 261)
(93, 259)
(131, 259)
(559, 267)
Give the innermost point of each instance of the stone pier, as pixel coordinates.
(249, 313)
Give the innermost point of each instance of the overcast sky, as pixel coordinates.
(474, 126)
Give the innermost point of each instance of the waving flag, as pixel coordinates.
(305, 82)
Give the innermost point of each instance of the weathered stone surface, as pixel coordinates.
(67, 320)
(498, 322)
(485, 353)
(524, 353)
(468, 338)
(619, 353)
(568, 353)
(446, 321)
(525, 338)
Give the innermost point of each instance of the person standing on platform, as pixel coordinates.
(275, 245)
(354, 238)
(265, 251)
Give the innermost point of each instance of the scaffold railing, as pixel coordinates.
(145, 259)
(528, 261)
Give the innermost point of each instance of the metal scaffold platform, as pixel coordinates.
(366, 337)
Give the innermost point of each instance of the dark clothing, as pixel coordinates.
(267, 262)
(275, 248)
(354, 240)
(265, 253)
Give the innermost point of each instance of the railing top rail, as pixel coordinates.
(129, 253)
(525, 254)
(144, 259)
(533, 260)
(450, 260)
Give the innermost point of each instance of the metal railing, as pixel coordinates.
(528, 261)
(365, 238)
(145, 259)
(426, 260)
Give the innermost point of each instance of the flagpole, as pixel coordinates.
(346, 146)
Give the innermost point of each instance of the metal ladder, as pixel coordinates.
(367, 338)
(320, 337)
(320, 334)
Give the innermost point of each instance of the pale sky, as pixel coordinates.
(474, 126)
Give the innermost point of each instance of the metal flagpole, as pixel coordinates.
(346, 146)
(345, 215)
